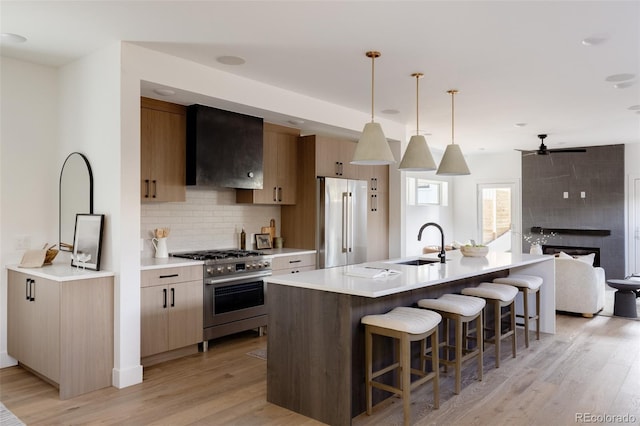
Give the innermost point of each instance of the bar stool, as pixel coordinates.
(500, 296)
(527, 284)
(404, 325)
(462, 310)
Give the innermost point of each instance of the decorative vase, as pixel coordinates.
(535, 249)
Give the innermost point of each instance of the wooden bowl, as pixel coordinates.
(474, 251)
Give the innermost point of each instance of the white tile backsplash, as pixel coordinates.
(208, 219)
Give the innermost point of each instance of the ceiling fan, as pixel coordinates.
(543, 150)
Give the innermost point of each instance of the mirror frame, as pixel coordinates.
(86, 162)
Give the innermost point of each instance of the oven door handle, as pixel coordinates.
(214, 281)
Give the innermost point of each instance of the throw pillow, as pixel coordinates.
(588, 259)
(563, 255)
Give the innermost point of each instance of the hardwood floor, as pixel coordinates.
(590, 366)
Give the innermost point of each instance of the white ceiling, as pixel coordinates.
(512, 61)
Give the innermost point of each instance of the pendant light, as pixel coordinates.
(417, 157)
(453, 163)
(372, 148)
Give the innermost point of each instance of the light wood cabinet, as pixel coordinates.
(163, 133)
(62, 330)
(377, 178)
(170, 309)
(293, 264)
(333, 157)
(279, 168)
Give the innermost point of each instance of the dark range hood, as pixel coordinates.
(224, 149)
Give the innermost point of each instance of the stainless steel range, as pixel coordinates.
(234, 290)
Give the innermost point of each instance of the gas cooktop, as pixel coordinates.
(217, 254)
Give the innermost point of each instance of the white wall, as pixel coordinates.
(485, 168)
(29, 168)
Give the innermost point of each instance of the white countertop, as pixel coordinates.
(62, 272)
(278, 252)
(410, 277)
(167, 262)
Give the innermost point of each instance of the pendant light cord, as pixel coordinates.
(373, 58)
(453, 92)
(417, 100)
(373, 55)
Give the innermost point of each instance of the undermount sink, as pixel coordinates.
(418, 262)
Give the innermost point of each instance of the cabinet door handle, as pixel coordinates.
(155, 188)
(173, 297)
(337, 168)
(341, 168)
(146, 188)
(32, 291)
(275, 198)
(375, 197)
(164, 298)
(169, 276)
(27, 283)
(279, 194)
(295, 261)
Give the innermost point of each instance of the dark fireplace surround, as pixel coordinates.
(579, 197)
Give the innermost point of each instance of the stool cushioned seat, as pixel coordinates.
(454, 303)
(407, 320)
(501, 292)
(520, 280)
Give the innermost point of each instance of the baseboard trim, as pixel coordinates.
(122, 378)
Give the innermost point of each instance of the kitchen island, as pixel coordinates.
(315, 349)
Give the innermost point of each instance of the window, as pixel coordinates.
(423, 192)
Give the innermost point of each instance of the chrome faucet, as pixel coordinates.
(442, 254)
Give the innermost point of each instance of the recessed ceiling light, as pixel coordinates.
(620, 77)
(520, 124)
(12, 38)
(623, 85)
(634, 107)
(295, 121)
(230, 60)
(424, 133)
(390, 111)
(593, 41)
(164, 92)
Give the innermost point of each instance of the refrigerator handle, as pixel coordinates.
(350, 223)
(345, 202)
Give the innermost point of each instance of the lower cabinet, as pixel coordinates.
(170, 309)
(62, 330)
(292, 264)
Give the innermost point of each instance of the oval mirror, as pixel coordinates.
(76, 196)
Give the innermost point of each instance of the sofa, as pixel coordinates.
(580, 287)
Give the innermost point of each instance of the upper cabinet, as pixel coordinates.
(163, 129)
(333, 158)
(280, 147)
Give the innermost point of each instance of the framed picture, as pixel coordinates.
(263, 241)
(87, 241)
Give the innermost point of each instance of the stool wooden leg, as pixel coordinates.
(405, 376)
(369, 367)
(447, 344)
(480, 335)
(513, 327)
(435, 361)
(538, 314)
(458, 343)
(525, 298)
(497, 317)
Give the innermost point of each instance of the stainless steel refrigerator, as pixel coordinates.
(342, 222)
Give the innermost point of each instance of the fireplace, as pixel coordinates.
(574, 251)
